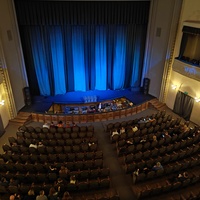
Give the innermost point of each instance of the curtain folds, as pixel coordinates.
(97, 46)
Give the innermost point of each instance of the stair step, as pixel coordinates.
(21, 119)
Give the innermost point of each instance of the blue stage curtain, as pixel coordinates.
(78, 59)
(92, 46)
(40, 60)
(100, 59)
(119, 64)
(58, 61)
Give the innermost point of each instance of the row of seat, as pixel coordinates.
(34, 176)
(80, 186)
(55, 129)
(51, 142)
(146, 132)
(83, 148)
(44, 135)
(158, 120)
(165, 156)
(160, 189)
(176, 136)
(168, 168)
(57, 157)
(156, 148)
(139, 151)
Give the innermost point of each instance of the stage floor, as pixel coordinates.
(41, 104)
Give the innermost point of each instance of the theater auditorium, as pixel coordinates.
(99, 100)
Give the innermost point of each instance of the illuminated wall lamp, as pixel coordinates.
(197, 99)
(2, 102)
(174, 87)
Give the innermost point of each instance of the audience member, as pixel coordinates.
(158, 166)
(73, 179)
(122, 130)
(60, 124)
(136, 172)
(12, 197)
(134, 129)
(13, 182)
(33, 144)
(129, 142)
(41, 196)
(40, 144)
(46, 125)
(30, 196)
(66, 196)
(182, 177)
(4, 182)
(167, 134)
(114, 132)
(179, 178)
(154, 138)
(144, 139)
(52, 125)
(52, 168)
(53, 194)
(63, 169)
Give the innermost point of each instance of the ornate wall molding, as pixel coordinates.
(186, 69)
(6, 84)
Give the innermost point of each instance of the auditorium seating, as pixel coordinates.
(177, 153)
(75, 147)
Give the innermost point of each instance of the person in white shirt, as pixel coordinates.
(122, 130)
(115, 132)
(33, 145)
(46, 125)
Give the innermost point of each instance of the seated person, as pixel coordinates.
(60, 124)
(73, 179)
(63, 169)
(154, 138)
(134, 129)
(151, 119)
(182, 177)
(46, 125)
(52, 125)
(144, 139)
(122, 130)
(157, 167)
(40, 144)
(42, 196)
(129, 142)
(115, 133)
(136, 172)
(34, 145)
(179, 177)
(167, 134)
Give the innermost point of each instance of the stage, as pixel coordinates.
(41, 107)
(42, 104)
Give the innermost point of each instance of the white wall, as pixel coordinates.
(11, 56)
(190, 12)
(161, 17)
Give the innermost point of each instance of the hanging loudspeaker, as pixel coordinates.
(27, 96)
(146, 83)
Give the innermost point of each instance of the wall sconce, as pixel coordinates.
(174, 87)
(2, 102)
(197, 99)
